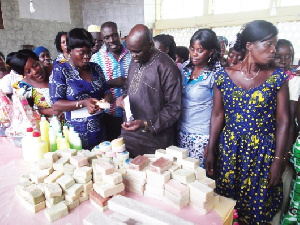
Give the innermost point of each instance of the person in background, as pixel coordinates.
(197, 99)
(165, 43)
(224, 43)
(80, 84)
(249, 127)
(114, 59)
(35, 84)
(284, 58)
(182, 55)
(96, 33)
(44, 56)
(154, 90)
(234, 57)
(61, 46)
(3, 68)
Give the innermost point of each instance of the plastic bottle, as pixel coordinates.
(55, 124)
(77, 144)
(66, 132)
(38, 148)
(44, 128)
(71, 135)
(26, 143)
(52, 140)
(58, 140)
(63, 143)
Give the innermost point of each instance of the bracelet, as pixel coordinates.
(77, 105)
(276, 157)
(146, 126)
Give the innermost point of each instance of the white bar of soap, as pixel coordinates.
(189, 162)
(68, 169)
(83, 180)
(163, 153)
(72, 198)
(87, 186)
(59, 164)
(143, 213)
(53, 190)
(159, 178)
(84, 171)
(65, 181)
(183, 176)
(96, 218)
(74, 190)
(58, 211)
(106, 190)
(42, 164)
(71, 205)
(51, 155)
(55, 200)
(201, 191)
(177, 188)
(114, 178)
(31, 207)
(209, 182)
(39, 176)
(53, 177)
(68, 153)
(179, 153)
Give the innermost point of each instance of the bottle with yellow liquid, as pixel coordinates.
(64, 144)
(76, 141)
(71, 135)
(38, 148)
(44, 128)
(58, 140)
(52, 139)
(66, 132)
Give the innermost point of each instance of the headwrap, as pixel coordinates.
(223, 38)
(39, 50)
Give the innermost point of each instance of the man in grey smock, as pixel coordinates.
(154, 89)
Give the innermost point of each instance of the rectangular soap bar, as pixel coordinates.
(83, 171)
(68, 169)
(78, 160)
(74, 190)
(88, 154)
(177, 206)
(59, 164)
(53, 190)
(200, 210)
(134, 187)
(138, 174)
(34, 195)
(189, 162)
(58, 211)
(177, 199)
(87, 186)
(51, 155)
(174, 167)
(39, 176)
(104, 167)
(53, 177)
(71, 198)
(56, 200)
(139, 163)
(65, 181)
(209, 182)
(159, 178)
(114, 178)
(83, 180)
(142, 212)
(161, 165)
(71, 205)
(98, 199)
(32, 207)
(208, 205)
(99, 207)
(179, 153)
(183, 176)
(163, 153)
(177, 188)
(96, 218)
(107, 190)
(42, 164)
(201, 191)
(68, 153)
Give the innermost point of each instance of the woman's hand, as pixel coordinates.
(275, 172)
(133, 125)
(209, 162)
(120, 102)
(90, 104)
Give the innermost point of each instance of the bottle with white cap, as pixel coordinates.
(44, 128)
(27, 142)
(38, 148)
(71, 135)
(52, 140)
(76, 141)
(54, 122)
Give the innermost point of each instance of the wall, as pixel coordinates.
(18, 32)
(125, 13)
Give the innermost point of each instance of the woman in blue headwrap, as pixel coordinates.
(44, 55)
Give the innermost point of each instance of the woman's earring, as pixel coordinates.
(209, 59)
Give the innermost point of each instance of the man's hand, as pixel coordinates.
(133, 125)
(120, 102)
(117, 82)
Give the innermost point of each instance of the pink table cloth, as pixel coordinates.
(12, 166)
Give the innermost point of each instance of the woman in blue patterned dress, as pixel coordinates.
(77, 85)
(197, 82)
(249, 127)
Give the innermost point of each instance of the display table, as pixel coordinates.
(12, 166)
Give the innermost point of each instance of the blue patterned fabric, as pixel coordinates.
(66, 84)
(247, 147)
(113, 69)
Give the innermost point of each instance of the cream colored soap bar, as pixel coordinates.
(83, 180)
(31, 207)
(209, 182)
(177, 206)
(134, 187)
(53, 177)
(104, 167)
(179, 153)
(177, 188)
(42, 164)
(88, 154)
(55, 200)
(188, 162)
(208, 205)
(74, 190)
(151, 194)
(34, 196)
(86, 193)
(78, 161)
(136, 179)
(83, 198)
(39, 176)
(87, 186)
(143, 213)
(159, 178)
(68, 169)
(114, 178)
(96, 218)
(71, 205)
(106, 190)
(200, 191)
(71, 198)
(56, 212)
(139, 174)
(51, 155)
(59, 164)
(200, 210)
(68, 153)
(184, 176)
(174, 167)
(84, 171)
(53, 190)
(163, 153)
(65, 181)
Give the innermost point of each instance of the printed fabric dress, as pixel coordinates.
(66, 84)
(247, 147)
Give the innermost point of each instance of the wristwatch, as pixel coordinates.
(145, 129)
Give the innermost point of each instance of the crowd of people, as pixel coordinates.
(234, 110)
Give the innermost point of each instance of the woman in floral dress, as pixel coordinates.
(249, 127)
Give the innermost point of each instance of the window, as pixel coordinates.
(174, 9)
(235, 6)
(289, 2)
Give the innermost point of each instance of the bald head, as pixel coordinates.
(140, 33)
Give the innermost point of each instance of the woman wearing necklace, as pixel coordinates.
(197, 81)
(249, 127)
(79, 84)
